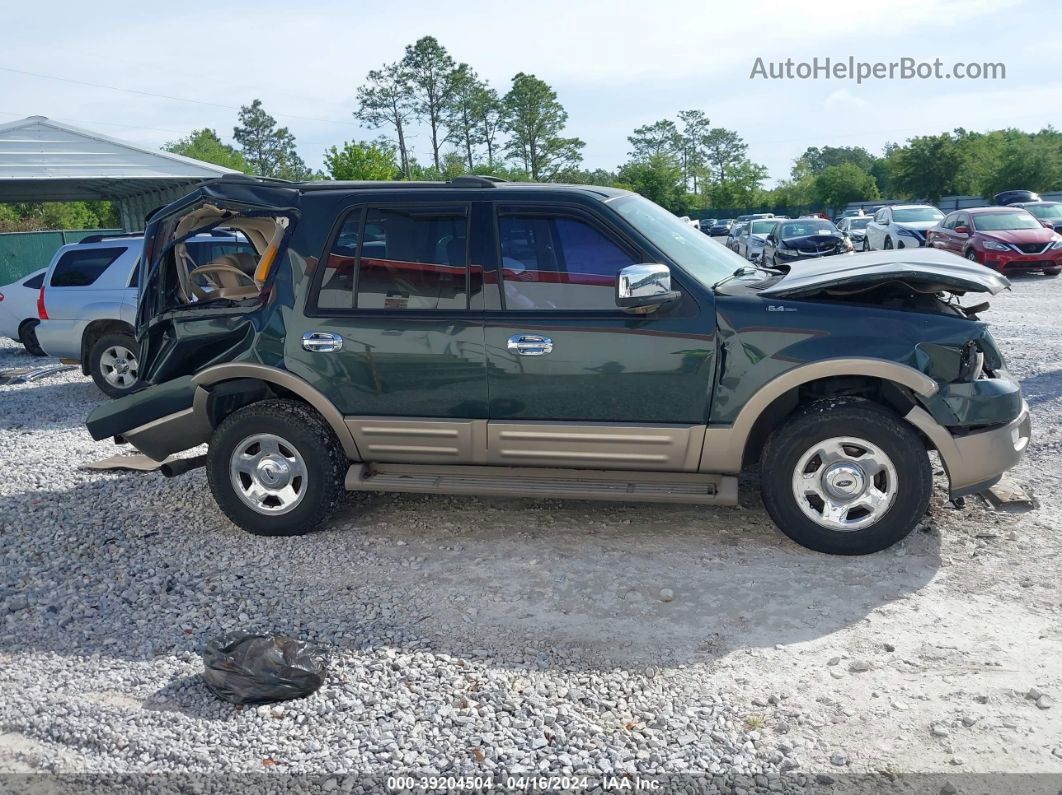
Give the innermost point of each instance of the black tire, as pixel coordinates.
(971, 255)
(862, 420)
(866, 243)
(1052, 271)
(300, 429)
(27, 335)
(111, 382)
(888, 243)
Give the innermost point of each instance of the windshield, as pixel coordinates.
(858, 223)
(762, 227)
(699, 256)
(1000, 222)
(917, 214)
(1045, 211)
(806, 227)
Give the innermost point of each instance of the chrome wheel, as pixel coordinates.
(268, 474)
(845, 483)
(118, 366)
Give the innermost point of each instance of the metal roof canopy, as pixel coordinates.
(44, 160)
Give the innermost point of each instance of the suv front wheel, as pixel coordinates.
(276, 468)
(846, 477)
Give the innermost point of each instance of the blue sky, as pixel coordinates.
(615, 65)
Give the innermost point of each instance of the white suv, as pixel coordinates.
(900, 226)
(87, 302)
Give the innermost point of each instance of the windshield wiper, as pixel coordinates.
(745, 270)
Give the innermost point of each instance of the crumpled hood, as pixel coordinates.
(925, 270)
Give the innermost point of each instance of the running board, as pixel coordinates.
(573, 484)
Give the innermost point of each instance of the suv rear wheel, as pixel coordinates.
(846, 477)
(112, 363)
(27, 335)
(276, 468)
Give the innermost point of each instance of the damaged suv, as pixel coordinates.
(484, 337)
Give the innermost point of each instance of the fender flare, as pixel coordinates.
(290, 382)
(724, 446)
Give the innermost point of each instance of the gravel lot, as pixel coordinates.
(477, 636)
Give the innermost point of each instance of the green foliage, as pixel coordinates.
(362, 160)
(724, 149)
(657, 177)
(268, 149)
(433, 79)
(742, 186)
(659, 138)
(386, 100)
(835, 186)
(816, 159)
(1031, 162)
(34, 216)
(205, 145)
(534, 120)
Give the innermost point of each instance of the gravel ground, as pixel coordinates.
(480, 636)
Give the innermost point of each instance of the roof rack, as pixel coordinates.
(115, 236)
(476, 181)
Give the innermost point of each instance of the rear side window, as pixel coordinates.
(80, 268)
(399, 258)
(35, 283)
(558, 262)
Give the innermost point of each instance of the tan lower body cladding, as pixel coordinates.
(671, 448)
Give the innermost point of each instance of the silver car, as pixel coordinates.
(88, 301)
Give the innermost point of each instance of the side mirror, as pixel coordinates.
(961, 230)
(1046, 224)
(643, 286)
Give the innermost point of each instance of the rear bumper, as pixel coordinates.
(976, 460)
(61, 337)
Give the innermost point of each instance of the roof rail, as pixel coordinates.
(476, 181)
(255, 178)
(115, 236)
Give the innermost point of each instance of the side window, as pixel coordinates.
(558, 262)
(80, 268)
(398, 258)
(35, 283)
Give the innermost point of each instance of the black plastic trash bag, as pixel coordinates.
(258, 669)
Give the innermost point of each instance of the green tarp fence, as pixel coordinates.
(25, 252)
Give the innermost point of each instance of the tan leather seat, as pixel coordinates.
(229, 285)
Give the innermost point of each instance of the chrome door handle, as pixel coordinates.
(321, 341)
(529, 344)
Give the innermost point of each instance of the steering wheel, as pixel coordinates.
(202, 294)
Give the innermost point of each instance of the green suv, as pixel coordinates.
(484, 337)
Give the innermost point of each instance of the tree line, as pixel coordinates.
(683, 163)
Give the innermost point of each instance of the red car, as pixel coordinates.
(1002, 238)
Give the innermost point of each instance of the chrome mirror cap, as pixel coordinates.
(645, 285)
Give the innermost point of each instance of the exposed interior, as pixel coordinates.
(235, 276)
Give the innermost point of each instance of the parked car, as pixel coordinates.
(1005, 239)
(18, 311)
(851, 213)
(707, 224)
(1045, 212)
(582, 354)
(735, 235)
(854, 227)
(87, 300)
(1015, 196)
(721, 227)
(900, 226)
(750, 243)
(805, 238)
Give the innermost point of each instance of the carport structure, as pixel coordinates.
(44, 160)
